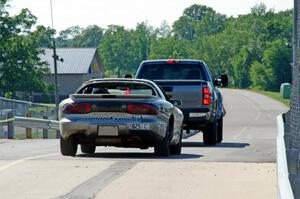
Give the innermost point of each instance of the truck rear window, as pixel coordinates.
(172, 72)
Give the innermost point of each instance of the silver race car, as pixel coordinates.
(123, 113)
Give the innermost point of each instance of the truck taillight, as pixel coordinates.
(77, 108)
(206, 96)
(171, 61)
(143, 109)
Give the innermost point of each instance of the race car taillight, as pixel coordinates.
(206, 96)
(77, 108)
(142, 109)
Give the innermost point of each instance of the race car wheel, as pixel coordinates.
(220, 130)
(176, 149)
(163, 147)
(68, 146)
(210, 134)
(88, 148)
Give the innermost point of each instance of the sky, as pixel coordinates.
(128, 13)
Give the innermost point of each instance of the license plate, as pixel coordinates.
(108, 131)
(197, 114)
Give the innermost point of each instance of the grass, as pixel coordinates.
(39, 112)
(274, 95)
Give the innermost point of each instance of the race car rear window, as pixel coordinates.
(173, 72)
(118, 88)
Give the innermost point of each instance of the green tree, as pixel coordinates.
(275, 68)
(278, 56)
(162, 48)
(164, 30)
(20, 66)
(42, 36)
(241, 64)
(261, 75)
(89, 37)
(259, 9)
(142, 37)
(197, 21)
(116, 50)
(66, 36)
(184, 28)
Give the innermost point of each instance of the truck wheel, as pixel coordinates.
(210, 134)
(68, 146)
(220, 130)
(176, 149)
(88, 148)
(163, 147)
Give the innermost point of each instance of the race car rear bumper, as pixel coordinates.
(146, 129)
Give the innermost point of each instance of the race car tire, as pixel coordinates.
(88, 148)
(210, 134)
(68, 147)
(176, 149)
(163, 147)
(220, 130)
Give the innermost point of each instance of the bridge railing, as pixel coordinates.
(9, 108)
(284, 185)
(29, 124)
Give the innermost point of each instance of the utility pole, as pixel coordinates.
(55, 58)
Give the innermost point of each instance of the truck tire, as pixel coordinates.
(176, 149)
(163, 147)
(220, 130)
(68, 147)
(210, 134)
(88, 148)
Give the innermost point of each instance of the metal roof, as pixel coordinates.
(76, 60)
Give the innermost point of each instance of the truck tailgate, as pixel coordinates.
(188, 91)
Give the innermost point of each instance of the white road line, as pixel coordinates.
(254, 106)
(7, 166)
(257, 115)
(240, 133)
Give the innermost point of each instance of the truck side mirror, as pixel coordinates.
(224, 80)
(216, 82)
(128, 76)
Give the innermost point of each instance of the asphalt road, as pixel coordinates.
(243, 166)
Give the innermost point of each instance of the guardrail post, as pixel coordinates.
(10, 126)
(45, 131)
(28, 130)
(57, 134)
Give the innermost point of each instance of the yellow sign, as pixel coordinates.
(95, 68)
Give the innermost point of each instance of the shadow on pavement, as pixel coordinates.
(132, 155)
(220, 145)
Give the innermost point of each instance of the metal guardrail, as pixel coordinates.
(29, 124)
(7, 120)
(36, 123)
(10, 108)
(23, 102)
(284, 185)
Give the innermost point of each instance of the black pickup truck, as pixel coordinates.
(190, 82)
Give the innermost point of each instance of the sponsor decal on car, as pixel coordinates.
(110, 119)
